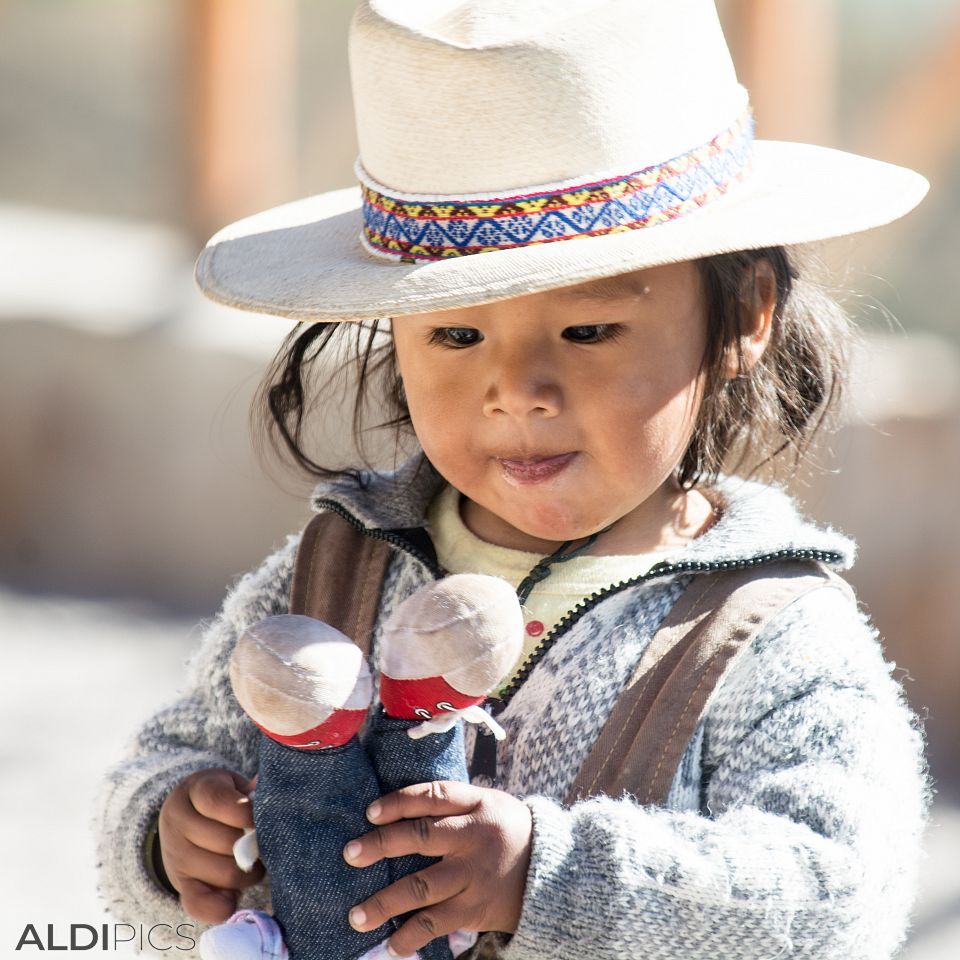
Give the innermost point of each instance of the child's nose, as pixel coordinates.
(521, 386)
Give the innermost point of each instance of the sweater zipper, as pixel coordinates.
(378, 534)
(657, 571)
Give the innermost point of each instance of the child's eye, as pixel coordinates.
(595, 333)
(455, 336)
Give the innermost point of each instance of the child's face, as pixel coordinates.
(532, 377)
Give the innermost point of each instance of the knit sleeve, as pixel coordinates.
(204, 727)
(813, 802)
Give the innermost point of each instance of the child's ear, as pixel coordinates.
(759, 303)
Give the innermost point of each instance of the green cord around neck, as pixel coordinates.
(542, 570)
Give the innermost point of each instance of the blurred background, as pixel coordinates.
(130, 493)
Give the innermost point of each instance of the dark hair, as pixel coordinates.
(743, 424)
(795, 388)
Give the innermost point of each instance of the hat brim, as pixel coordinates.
(304, 260)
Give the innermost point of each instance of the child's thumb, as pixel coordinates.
(205, 902)
(225, 798)
(243, 785)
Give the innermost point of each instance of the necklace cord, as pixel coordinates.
(484, 758)
(542, 569)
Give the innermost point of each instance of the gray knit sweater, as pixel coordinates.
(793, 825)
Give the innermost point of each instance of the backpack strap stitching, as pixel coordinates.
(313, 561)
(708, 675)
(365, 599)
(714, 619)
(711, 673)
(702, 590)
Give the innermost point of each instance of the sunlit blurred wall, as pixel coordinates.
(131, 436)
(99, 100)
(130, 131)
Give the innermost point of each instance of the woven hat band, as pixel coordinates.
(410, 227)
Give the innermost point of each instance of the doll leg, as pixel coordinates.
(307, 806)
(442, 651)
(400, 761)
(308, 688)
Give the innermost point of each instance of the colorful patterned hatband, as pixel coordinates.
(411, 228)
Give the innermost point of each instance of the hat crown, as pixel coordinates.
(513, 146)
(473, 97)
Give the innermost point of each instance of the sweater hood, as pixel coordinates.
(757, 520)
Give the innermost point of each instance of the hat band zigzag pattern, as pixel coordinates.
(411, 228)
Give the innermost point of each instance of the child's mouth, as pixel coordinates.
(536, 470)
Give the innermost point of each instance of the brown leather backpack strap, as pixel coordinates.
(338, 576)
(643, 740)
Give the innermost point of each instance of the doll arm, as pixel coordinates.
(807, 844)
(205, 727)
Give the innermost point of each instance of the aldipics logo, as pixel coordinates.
(106, 936)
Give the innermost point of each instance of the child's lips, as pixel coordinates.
(535, 469)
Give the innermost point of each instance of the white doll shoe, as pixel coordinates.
(247, 935)
(459, 941)
(254, 935)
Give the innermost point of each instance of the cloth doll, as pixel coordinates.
(308, 688)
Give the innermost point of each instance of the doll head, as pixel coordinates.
(308, 686)
(447, 645)
(302, 682)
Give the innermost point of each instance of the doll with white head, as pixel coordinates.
(308, 688)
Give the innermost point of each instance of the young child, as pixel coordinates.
(598, 307)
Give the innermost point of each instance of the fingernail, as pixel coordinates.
(357, 917)
(393, 953)
(352, 851)
(374, 810)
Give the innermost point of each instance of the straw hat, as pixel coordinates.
(513, 146)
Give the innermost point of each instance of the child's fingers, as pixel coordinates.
(206, 903)
(437, 798)
(429, 888)
(211, 835)
(189, 862)
(444, 918)
(432, 837)
(216, 794)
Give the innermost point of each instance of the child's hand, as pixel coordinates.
(199, 822)
(484, 838)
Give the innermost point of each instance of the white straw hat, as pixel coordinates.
(513, 146)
